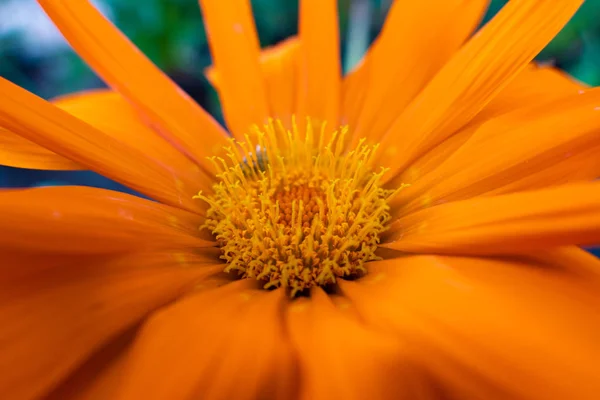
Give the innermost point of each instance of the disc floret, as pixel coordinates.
(297, 212)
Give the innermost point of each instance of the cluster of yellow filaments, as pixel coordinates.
(297, 211)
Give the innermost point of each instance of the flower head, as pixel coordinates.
(297, 213)
(408, 230)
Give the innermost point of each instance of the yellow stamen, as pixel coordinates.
(294, 212)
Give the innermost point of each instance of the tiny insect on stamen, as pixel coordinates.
(295, 212)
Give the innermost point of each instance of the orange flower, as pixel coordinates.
(481, 292)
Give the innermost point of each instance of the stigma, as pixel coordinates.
(296, 209)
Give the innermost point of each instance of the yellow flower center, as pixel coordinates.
(294, 211)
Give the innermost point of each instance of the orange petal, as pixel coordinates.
(19, 152)
(80, 220)
(583, 166)
(99, 377)
(471, 79)
(235, 52)
(532, 147)
(573, 259)
(280, 68)
(341, 358)
(109, 112)
(510, 223)
(319, 76)
(114, 58)
(354, 89)
(534, 85)
(46, 125)
(417, 39)
(54, 318)
(279, 65)
(491, 329)
(424, 168)
(209, 340)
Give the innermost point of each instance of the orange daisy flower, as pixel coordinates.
(425, 249)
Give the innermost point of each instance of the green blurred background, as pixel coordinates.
(34, 55)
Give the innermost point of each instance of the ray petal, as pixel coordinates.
(55, 316)
(84, 220)
(510, 223)
(473, 77)
(110, 112)
(319, 78)
(235, 51)
(417, 39)
(99, 377)
(233, 332)
(532, 147)
(58, 131)
(18, 152)
(121, 65)
(534, 85)
(491, 329)
(279, 65)
(341, 358)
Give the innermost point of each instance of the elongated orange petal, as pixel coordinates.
(340, 358)
(490, 329)
(471, 79)
(109, 112)
(80, 220)
(427, 164)
(564, 215)
(100, 375)
(232, 332)
(54, 318)
(573, 259)
(48, 126)
(235, 52)
(417, 39)
(16, 151)
(354, 89)
(583, 166)
(319, 77)
(166, 107)
(534, 85)
(279, 66)
(504, 152)
(280, 69)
